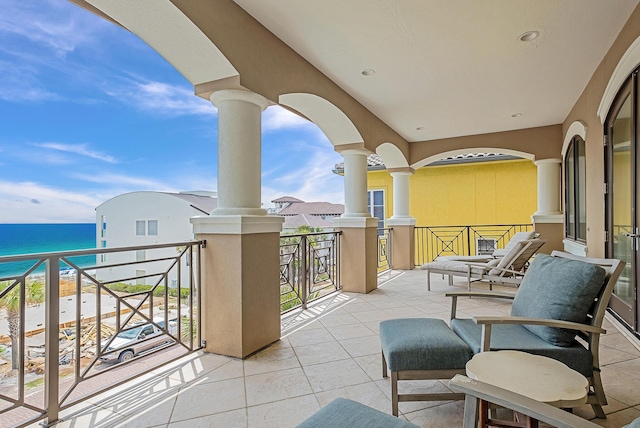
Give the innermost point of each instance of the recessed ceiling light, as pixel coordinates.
(517, 115)
(368, 72)
(420, 128)
(529, 35)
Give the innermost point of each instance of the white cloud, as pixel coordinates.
(161, 98)
(36, 203)
(128, 181)
(78, 149)
(21, 83)
(275, 118)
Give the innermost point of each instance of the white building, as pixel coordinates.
(147, 218)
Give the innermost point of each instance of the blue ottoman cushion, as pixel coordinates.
(633, 424)
(422, 344)
(346, 413)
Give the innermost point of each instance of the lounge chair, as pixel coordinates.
(507, 270)
(497, 252)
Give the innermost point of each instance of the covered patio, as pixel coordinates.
(330, 350)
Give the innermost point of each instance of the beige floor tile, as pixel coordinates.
(612, 356)
(233, 369)
(442, 416)
(414, 387)
(372, 315)
(355, 307)
(333, 320)
(587, 412)
(271, 359)
(618, 419)
(310, 337)
(320, 353)
(620, 386)
(283, 414)
(358, 347)
(351, 331)
(371, 364)
(232, 419)
(202, 399)
(403, 312)
(336, 374)
(275, 386)
(619, 342)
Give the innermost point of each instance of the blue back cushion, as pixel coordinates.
(559, 289)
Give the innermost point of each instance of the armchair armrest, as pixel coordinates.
(454, 297)
(489, 267)
(487, 322)
(475, 390)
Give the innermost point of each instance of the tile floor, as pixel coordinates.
(330, 350)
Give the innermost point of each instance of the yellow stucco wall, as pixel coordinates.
(499, 192)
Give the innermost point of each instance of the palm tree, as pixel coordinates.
(34, 293)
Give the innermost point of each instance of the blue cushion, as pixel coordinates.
(633, 424)
(422, 344)
(346, 413)
(560, 289)
(518, 338)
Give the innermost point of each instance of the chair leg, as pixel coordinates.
(428, 281)
(384, 366)
(394, 393)
(601, 399)
(450, 280)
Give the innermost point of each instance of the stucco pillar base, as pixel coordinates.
(358, 253)
(402, 242)
(240, 277)
(551, 228)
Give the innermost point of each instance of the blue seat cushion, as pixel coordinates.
(422, 344)
(633, 424)
(346, 413)
(560, 289)
(518, 338)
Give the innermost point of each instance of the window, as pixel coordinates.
(139, 275)
(103, 227)
(152, 228)
(575, 190)
(141, 228)
(144, 228)
(103, 257)
(375, 205)
(141, 255)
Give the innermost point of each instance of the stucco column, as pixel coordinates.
(239, 150)
(359, 239)
(240, 263)
(548, 219)
(402, 224)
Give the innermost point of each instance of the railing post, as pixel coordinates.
(468, 240)
(390, 249)
(51, 343)
(305, 270)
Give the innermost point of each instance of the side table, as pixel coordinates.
(540, 378)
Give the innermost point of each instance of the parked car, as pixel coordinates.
(139, 340)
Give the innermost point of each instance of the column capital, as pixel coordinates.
(238, 95)
(398, 172)
(354, 152)
(401, 221)
(547, 161)
(236, 224)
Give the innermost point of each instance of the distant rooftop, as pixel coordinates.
(312, 208)
(374, 162)
(295, 221)
(287, 199)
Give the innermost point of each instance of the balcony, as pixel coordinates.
(329, 350)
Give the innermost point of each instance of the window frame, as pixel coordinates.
(575, 196)
(371, 206)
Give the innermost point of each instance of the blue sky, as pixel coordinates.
(88, 111)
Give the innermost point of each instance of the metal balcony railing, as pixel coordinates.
(68, 329)
(434, 241)
(309, 268)
(384, 249)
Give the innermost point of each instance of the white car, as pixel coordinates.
(139, 340)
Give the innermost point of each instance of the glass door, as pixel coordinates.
(623, 235)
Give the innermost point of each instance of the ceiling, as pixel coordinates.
(446, 68)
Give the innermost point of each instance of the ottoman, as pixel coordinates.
(347, 413)
(421, 349)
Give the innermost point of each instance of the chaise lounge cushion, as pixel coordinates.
(347, 413)
(559, 289)
(517, 237)
(518, 338)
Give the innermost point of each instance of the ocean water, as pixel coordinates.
(45, 238)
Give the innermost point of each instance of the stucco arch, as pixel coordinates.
(576, 128)
(456, 152)
(392, 156)
(629, 62)
(336, 125)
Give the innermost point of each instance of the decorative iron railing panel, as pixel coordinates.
(69, 331)
(384, 250)
(309, 268)
(434, 241)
